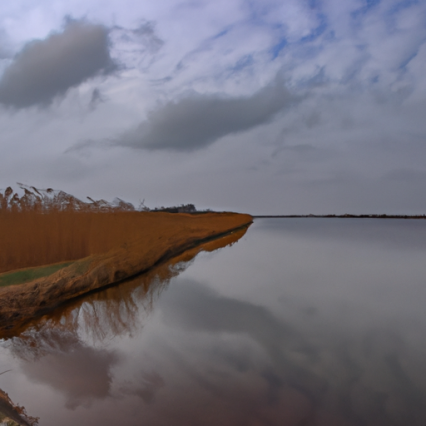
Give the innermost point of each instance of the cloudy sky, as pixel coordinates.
(261, 106)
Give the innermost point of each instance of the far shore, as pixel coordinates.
(344, 216)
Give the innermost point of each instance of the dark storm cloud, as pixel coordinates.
(198, 120)
(46, 68)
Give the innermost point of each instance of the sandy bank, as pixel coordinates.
(159, 237)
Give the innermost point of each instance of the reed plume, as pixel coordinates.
(42, 227)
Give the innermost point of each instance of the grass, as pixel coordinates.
(26, 275)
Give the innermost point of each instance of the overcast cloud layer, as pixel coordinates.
(194, 87)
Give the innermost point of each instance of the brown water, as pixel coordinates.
(302, 322)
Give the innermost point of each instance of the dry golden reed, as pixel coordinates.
(123, 245)
(30, 238)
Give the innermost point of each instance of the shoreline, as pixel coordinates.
(15, 413)
(342, 216)
(167, 236)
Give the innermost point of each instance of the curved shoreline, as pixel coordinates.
(169, 235)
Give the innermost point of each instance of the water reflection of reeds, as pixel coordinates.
(102, 315)
(111, 312)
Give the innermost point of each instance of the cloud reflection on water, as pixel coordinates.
(333, 379)
(197, 354)
(53, 351)
(81, 373)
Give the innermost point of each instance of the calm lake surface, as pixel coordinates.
(300, 322)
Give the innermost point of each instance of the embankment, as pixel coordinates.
(156, 238)
(11, 413)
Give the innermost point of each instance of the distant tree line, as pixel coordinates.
(183, 208)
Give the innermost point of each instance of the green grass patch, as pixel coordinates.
(22, 276)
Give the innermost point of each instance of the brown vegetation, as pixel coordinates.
(114, 311)
(31, 239)
(118, 245)
(50, 226)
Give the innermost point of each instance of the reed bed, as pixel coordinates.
(31, 238)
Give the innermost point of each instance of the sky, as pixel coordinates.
(257, 106)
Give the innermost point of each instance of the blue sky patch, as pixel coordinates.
(319, 30)
(275, 51)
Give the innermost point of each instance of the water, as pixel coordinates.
(301, 322)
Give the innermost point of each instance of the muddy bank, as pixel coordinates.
(13, 414)
(113, 311)
(164, 236)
